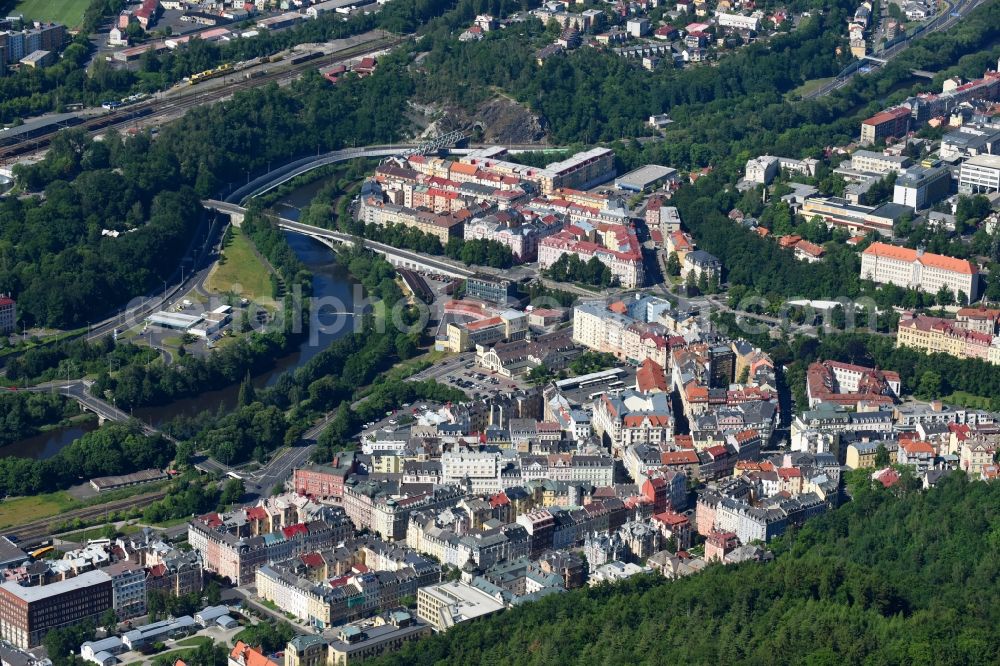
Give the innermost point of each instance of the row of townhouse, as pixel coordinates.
(616, 246)
(633, 329)
(236, 555)
(938, 335)
(359, 593)
(769, 519)
(384, 508)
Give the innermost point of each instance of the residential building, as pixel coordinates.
(872, 162)
(245, 655)
(305, 650)
(701, 263)
(916, 269)
(367, 639)
(762, 170)
(893, 123)
(850, 385)
(128, 585)
(323, 481)
(614, 245)
(28, 613)
(946, 336)
(446, 604)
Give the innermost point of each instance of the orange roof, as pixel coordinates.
(917, 446)
(762, 231)
(248, 656)
(678, 458)
(618, 307)
(485, 323)
(886, 251)
(461, 167)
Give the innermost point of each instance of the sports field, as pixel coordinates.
(67, 12)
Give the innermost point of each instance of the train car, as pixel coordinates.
(306, 57)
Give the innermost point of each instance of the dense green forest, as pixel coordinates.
(893, 577)
(23, 414)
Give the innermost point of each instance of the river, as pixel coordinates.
(329, 280)
(47, 444)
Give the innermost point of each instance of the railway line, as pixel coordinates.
(152, 109)
(37, 530)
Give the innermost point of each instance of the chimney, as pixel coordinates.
(936, 405)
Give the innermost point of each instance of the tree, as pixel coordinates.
(881, 456)
(930, 385)
(673, 265)
(945, 296)
(109, 620)
(247, 393)
(232, 492)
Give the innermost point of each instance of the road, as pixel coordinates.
(277, 470)
(942, 21)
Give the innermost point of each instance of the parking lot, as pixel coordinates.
(461, 372)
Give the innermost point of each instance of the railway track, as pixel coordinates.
(151, 110)
(39, 529)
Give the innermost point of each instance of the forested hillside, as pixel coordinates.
(904, 578)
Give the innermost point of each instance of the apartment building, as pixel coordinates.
(916, 269)
(850, 385)
(980, 175)
(442, 226)
(367, 639)
(634, 418)
(869, 161)
(615, 246)
(885, 124)
(510, 229)
(937, 335)
(855, 218)
(28, 613)
(323, 481)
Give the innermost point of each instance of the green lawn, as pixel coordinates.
(69, 12)
(194, 641)
(967, 400)
(810, 86)
(26, 509)
(241, 267)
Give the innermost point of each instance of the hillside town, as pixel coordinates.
(422, 332)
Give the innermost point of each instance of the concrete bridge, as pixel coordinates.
(395, 256)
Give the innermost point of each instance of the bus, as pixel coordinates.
(618, 384)
(591, 382)
(595, 395)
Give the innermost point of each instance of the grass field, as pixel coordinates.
(68, 12)
(967, 400)
(810, 86)
(25, 509)
(242, 267)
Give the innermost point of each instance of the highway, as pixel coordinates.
(942, 21)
